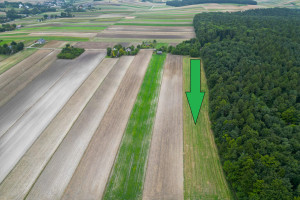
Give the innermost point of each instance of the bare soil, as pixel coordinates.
(90, 177)
(164, 176)
(99, 45)
(56, 175)
(17, 184)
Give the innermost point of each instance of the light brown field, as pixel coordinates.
(55, 44)
(89, 179)
(151, 28)
(59, 170)
(17, 184)
(23, 128)
(17, 84)
(98, 45)
(21, 67)
(164, 176)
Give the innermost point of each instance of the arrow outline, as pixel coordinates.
(195, 122)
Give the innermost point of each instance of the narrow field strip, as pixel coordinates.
(17, 184)
(203, 174)
(127, 178)
(154, 24)
(27, 128)
(164, 176)
(60, 38)
(15, 59)
(64, 28)
(92, 173)
(55, 177)
(17, 84)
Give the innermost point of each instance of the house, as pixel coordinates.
(41, 41)
(19, 26)
(20, 6)
(128, 50)
(159, 52)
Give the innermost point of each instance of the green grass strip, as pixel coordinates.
(127, 178)
(143, 24)
(203, 174)
(14, 34)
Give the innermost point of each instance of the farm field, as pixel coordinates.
(88, 180)
(98, 127)
(128, 173)
(164, 176)
(203, 174)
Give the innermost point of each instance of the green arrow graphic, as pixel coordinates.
(195, 96)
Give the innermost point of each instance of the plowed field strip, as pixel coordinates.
(17, 183)
(59, 170)
(164, 176)
(90, 178)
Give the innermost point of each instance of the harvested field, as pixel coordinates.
(17, 84)
(55, 44)
(12, 60)
(98, 45)
(90, 177)
(25, 129)
(59, 170)
(150, 28)
(67, 34)
(164, 176)
(17, 184)
(146, 36)
(21, 67)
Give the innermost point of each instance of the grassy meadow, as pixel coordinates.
(203, 174)
(128, 174)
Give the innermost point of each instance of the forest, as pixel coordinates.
(192, 2)
(252, 64)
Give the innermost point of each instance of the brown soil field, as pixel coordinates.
(21, 67)
(27, 128)
(63, 34)
(55, 44)
(11, 89)
(147, 33)
(146, 36)
(164, 176)
(17, 183)
(98, 45)
(151, 28)
(89, 179)
(59, 170)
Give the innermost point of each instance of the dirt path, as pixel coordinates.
(59, 170)
(21, 67)
(164, 176)
(17, 84)
(21, 135)
(18, 183)
(90, 177)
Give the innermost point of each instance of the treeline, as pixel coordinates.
(7, 27)
(192, 2)
(12, 48)
(70, 52)
(252, 64)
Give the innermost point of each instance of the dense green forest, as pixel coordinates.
(192, 2)
(70, 52)
(252, 63)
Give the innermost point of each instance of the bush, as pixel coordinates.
(70, 52)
